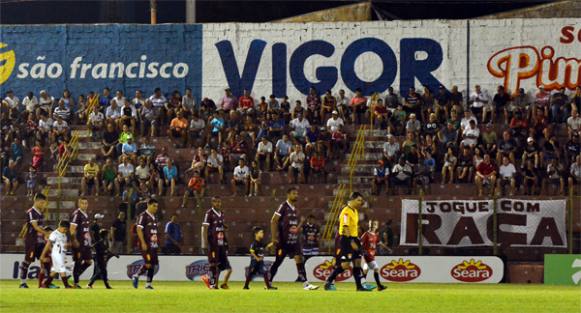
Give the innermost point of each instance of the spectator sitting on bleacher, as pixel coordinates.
(170, 177)
(264, 154)
(507, 146)
(90, 177)
(313, 102)
(108, 175)
(470, 135)
(530, 178)
(143, 173)
(178, 128)
(575, 172)
(10, 178)
(413, 125)
(380, 114)
(358, 105)
(37, 156)
(45, 128)
(574, 122)
(465, 166)
(125, 173)
(215, 163)
(197, 131)
(254, 179)
(113, 112)
(296, 170)
(228, 101)
(138, 101)
(401, 175)
(196, 188)
(198, 161)
(328, 105)
(12, 103)
(449, 167)
(129, 149)
(317, 164)
(216, 123)
(128, 115)
(95, 122)
(124, 138)
(465, 121)
(572, 148)
(380, 178)
(485, 175)
(241, 176)
(507, 172)
(555, 177)
(45, 102)
(299, 127)
(109, 141)
(149, 118)
(60, 129)
(282, 152)
(30, 103)
(246, 103)
(158, 102)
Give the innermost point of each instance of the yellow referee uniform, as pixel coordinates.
(349, 218)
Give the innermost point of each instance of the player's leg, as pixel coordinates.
(252, 270)
(357, 273)
(151, 269)
(143, 269)
(373, 266)
(280, 255)
(301, 271)
(58, 267)
(28, 259)
(225, 266)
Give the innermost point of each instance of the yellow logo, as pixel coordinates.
(7, 62)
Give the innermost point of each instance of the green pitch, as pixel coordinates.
(194, 297)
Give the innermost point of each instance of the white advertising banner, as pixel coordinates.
(421, 269)
(469, 223)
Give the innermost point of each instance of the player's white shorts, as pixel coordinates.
(370, 266)
(59, 263)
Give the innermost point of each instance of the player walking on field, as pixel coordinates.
(148, 242)
(81, 240)
(57, 246)
(285, 231)
(34, 236)
(214, 237)
(349, 245)
(369, 241)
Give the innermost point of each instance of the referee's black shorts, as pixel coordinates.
(346, 251)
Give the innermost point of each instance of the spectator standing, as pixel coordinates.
(173, 237)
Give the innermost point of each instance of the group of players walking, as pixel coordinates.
(50, 247)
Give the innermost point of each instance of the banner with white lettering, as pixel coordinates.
(469, 223)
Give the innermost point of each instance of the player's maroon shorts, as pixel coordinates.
(219, 255)
(150, 256)
(32, 251)
(368, 258)
(290, 250)
(82, 253)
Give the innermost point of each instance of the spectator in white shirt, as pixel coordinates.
(30, 102)
(299, 126)
(63, 111)
(401, 175)
(335, 123)
(296, 172)
(413, 125)
(470, 135)
(215, 163)
(574, 123)
(125, 172)
(138, 101)
(507, 173)
(113, 112)
(264, 154)
(60, 128)
(188, 102)
(241, 177)
(343, 104)
(12, 102)
(45, 101)
(159, 103)
(478, 100)
(575, 172)
(391, 149)
(96, 120)
(465, 121)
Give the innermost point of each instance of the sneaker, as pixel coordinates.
(369, 286)
(300, 279)
(23, 285)
(364, 288)
(53, 286)
(135, 281)
(149, 287)
(224, 286)
(310, 287)
(330, 287)
(206, 280)
(381, 287)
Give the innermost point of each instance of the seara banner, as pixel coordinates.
(469, 223)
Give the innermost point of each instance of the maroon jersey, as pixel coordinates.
(81, 220)
(32, 236)
(148, 223)
(215, 222)
(288, 224)
(369, 243)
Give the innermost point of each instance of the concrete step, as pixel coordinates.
(86, 156)
(374, 144)
(51, 181)
(66, 205)
(356, 180)
(368, 156)
(65, 192)
(82, 133)
(84, 145)
(53, 216)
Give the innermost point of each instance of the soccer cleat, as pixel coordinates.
(224, 286)
(206, 280)
(23, 285)
(89, 287)
(68, 287)
(77, 286)
(369, 286)
(310, 287)
(149, 287)
(381, 287)
(245, 288)
(300, 279)
(330, 287)
(364, 288)
(53, 286)
(135, 281)
(271, 288)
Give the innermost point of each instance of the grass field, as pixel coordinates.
(194, 297)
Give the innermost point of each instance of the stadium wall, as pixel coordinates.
(286, 59)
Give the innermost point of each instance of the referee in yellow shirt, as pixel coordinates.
(349, 249)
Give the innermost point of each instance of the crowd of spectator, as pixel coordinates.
(515, 141)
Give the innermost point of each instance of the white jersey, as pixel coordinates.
(58, 241)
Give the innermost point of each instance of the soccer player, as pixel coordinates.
(34, 237)
(214, 238)
(57, 244)
(46, 263)
(148, 242)
(349, 245)
(311, 234)
(81, 240)
(285, 231)
(257, 260)
(369, 241)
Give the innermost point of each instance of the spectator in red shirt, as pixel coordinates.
(317, 164)
(358, 106)
(380, 114)
(178, 128)
(485, 175)
(196, 188)
(246, 102)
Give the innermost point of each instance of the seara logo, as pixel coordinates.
(133, 268)
(471, 271)
(400, 271)
(324, 270)
(197, 268)
(7, 62)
